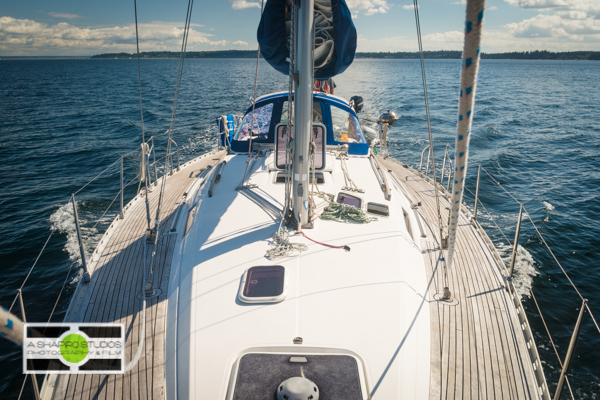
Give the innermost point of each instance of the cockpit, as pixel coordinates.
(340, 121)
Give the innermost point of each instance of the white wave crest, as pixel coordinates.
(525, 268)
(549, 207)
(63, 221)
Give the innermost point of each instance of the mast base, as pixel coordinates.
(447, 294)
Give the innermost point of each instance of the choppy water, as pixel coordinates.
(536, 129)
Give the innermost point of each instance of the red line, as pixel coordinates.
(347, 248)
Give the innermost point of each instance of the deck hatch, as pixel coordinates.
(348, 199)
(379, 209)
(280, 177)
(263, 284)
(259, 375)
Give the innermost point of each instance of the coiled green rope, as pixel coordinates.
(345, 213)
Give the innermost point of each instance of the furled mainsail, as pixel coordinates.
(335, 36)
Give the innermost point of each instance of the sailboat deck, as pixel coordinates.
(112, 295)
(478, 350)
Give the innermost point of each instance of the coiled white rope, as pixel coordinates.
(282, 247)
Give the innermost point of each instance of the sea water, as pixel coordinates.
(536, 130)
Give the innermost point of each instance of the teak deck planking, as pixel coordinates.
(111, 295)
(478, 350)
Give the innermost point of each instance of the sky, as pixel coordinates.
(84, 28)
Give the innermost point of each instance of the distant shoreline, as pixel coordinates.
(442, 54)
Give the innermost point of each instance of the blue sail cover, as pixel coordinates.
(272, 38)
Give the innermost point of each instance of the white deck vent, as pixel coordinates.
(298, 388)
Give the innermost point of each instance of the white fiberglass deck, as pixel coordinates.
(369, 301)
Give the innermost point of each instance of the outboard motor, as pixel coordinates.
(386, 120)
(389, 118)
(356, 102)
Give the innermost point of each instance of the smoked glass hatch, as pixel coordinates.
(344, 198)
(264, 281)
(379, 209)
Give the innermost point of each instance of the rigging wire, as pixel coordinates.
(105, 169)
(253, 106)
(490, 216)
(550, 337)
(186, 29)
(31, 270)
(144, 145)
(147, 283)
(435, 185)
(59, 294)
(539, 234)
(137, 43)
(593, 319)
(288, 144)
(23, 385)
(113, 202)
(281, 245)
(173, 114)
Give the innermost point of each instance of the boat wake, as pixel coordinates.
(63, 221)
(526, 268)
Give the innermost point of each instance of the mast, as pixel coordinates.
(303, 112)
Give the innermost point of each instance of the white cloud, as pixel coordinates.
(64, 15)
(461, 2)
(368, 7)
(388, 44)
(493, 41)
(452, 40)
(28, 37)
(409, 7)
(241, 4)
(492, 8)
(239, 43)
(562, 22)
(555, 26)
(572, 9)
(538, 4)
(536, 35)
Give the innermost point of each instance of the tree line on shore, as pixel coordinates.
(441, 54)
